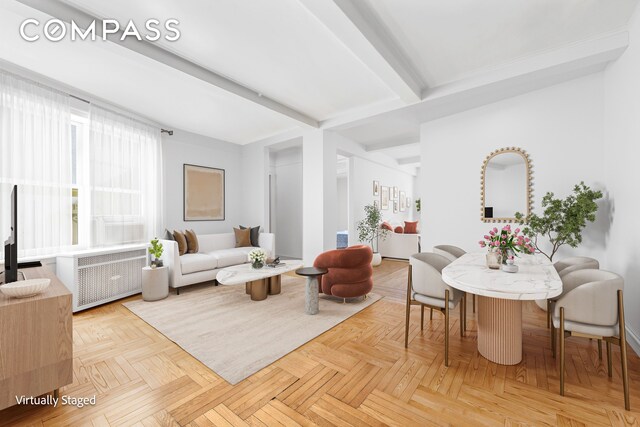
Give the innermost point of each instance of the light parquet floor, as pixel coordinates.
(358, 373)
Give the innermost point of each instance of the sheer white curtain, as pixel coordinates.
(125, 159)
(35, 154)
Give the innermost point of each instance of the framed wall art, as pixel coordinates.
(384, 198)
(376, 188)
(204, 198)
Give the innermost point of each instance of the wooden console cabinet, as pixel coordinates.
(36, 343)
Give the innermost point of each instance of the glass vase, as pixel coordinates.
(494, 259)
(257, 265)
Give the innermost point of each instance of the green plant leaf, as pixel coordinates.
(562, 220)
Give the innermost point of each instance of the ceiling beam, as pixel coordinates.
(67, 13)
(362, 32)
(523, 76)
(391, 143)
(408, 160)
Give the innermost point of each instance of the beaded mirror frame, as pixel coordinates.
(529, 183)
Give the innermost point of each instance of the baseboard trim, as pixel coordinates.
(633, 340)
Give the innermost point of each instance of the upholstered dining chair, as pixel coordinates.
(453, 253)
(564, 267)
(426, 288)
(592, 308)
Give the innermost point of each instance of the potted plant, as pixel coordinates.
(563, 219)
(156, 252)
(369, 231)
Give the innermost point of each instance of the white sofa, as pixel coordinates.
(398, 245)
(215, 251)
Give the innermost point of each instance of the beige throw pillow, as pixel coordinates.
(192, 241)
(182, 241)
(243, 237)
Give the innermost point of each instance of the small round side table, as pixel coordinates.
(311, 292)
(155, 283)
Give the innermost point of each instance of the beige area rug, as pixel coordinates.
(237, 337)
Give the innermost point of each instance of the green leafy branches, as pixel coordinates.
(563, 219)
(369, 228)
(156, 248)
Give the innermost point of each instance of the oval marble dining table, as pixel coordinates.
(500, 295)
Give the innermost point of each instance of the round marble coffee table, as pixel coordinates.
(500, 297)
(311, 304)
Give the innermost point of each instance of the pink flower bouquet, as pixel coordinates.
(506, 240)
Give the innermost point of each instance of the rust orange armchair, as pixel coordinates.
(350, 272)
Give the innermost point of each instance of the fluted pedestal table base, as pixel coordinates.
(500, 330)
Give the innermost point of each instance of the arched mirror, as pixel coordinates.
(506, 185)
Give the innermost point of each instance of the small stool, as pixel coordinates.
(155, 283)
(311, 292)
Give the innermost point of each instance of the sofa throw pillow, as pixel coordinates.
(411, 227)
(385, 225)
(192, 241)
(182, 241)
(398, 229)
(243, 237)
(168, 235)
(254, 235)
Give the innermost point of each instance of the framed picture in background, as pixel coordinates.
(376, 188)
(395, 206)
(384, 198)
(376, 204)
(203, 193)
(403, 201)
(395, 193)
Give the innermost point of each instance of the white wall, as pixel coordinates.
(254, 186)
(362, 173)
(561, 127)
(417, 192)
(287, 168)
(622, 142)
(342, 205)
(319, 193)
(185, 147)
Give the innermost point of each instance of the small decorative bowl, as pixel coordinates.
(25, 288)
(510, 268)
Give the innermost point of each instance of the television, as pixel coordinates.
(11, 244)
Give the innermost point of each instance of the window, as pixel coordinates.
(86, 176)
(79, 204)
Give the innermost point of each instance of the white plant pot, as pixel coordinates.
(376, 260)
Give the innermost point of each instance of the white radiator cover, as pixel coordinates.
(99, 276)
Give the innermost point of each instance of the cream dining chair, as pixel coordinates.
(426, 288)
(592, 307)
(564, 267)
(453, 253)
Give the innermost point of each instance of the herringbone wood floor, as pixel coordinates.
(358, 373)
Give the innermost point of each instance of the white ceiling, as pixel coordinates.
(276, 48)
(332, 61)
(451, 40)
(139, 84)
